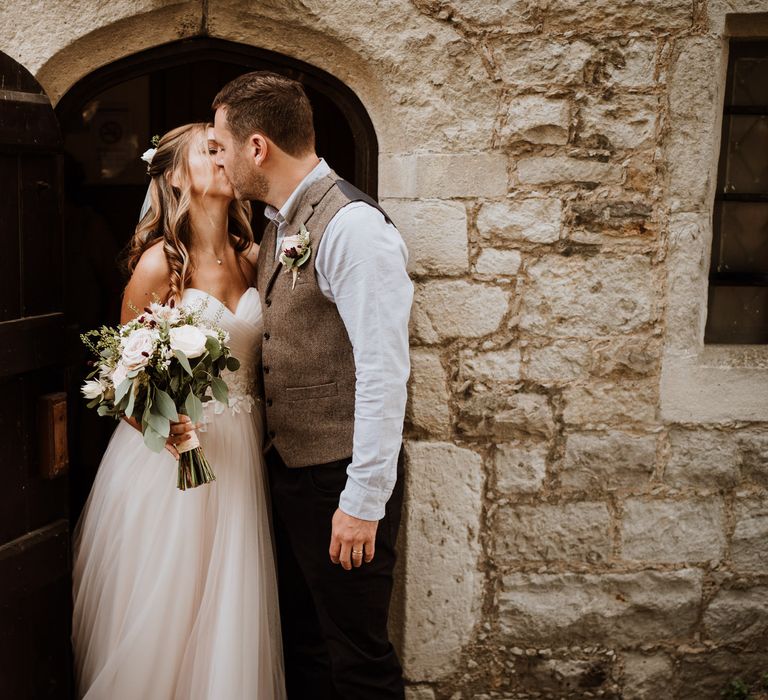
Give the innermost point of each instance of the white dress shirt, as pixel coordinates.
(360, 266)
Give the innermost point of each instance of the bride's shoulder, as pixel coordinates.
(150, 278)
(153, 264)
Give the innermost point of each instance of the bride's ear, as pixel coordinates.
(174, 179)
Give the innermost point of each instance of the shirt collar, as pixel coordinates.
(286, 211)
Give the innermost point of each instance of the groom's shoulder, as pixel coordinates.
(354, 194)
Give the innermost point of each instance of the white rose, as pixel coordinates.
(160, 312)
(119, 375)
(188, 339)
(138, 348)
(93, 389)
(148, 155)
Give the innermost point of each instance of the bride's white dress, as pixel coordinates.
(175, 595)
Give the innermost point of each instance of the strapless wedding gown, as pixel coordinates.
(175, 594)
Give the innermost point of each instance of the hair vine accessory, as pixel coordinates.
(149, 154)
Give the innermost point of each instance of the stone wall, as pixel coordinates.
(587, 510)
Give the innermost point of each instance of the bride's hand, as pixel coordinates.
(179, 432)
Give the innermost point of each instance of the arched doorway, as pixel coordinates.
(107, 120)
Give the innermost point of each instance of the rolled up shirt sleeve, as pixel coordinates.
(361, 267)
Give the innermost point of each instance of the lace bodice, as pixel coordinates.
(244, 326)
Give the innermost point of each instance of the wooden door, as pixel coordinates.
(35, 599)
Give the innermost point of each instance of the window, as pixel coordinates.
(738, 277)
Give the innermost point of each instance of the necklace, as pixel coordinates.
(216, 257)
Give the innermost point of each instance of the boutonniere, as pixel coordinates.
(296, 252)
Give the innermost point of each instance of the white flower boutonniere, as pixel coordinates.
(296, 251)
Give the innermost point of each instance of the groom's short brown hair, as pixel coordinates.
(271, 104)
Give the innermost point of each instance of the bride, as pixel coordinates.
(175, 593)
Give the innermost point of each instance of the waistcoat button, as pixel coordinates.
(266, 370)
(268, 302)
(266, 336)
(269, 402)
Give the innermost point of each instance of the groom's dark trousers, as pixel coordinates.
(334, 621)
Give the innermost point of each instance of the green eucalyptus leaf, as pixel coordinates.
(165, 405)
(158, 422)
(183, 361)
(193, 407)
(220, 391)
(122, 390)
(131, 401)
(213, 347)
(153, 440)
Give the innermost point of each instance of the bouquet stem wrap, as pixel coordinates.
(194, 468)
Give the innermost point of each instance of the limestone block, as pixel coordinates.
(584, 297)
(452, 309)
(704, 674)
(647, 676)
(512, 16)
(553, 532)
(543, 61)
(610, 403)
(702, 458)
(443, 175)
(534, 219)
(607, 461)
(687, 279)
(504, 415)
(520, 466)
(634, 354)
(560, 362)
(592, 218)
(625, 608)
(498, 263)
(753, 446)
(636, 64)
(490, 367)
(738, 616)
(428, 394)
(673, 531)
(442, 582)
(414, 692)
(553, 170)
(644, 15)
(435, 233)
(526, 413)
(537, 119)
(695, 101)
(749, 545)
(623, 122)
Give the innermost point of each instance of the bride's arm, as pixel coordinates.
(148, 281)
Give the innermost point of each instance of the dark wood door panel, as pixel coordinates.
(41, 228)
(10, 281)
(35, 623)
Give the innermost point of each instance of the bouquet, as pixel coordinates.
(153, 368)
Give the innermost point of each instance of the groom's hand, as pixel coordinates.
(352, 540)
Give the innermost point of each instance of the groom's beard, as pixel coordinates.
(251, 185)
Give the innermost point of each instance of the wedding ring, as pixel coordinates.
(359, 553)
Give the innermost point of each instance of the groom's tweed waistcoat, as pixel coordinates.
(308, 368)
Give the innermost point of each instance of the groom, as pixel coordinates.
(336, 299)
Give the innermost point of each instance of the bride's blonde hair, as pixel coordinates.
(168, 215)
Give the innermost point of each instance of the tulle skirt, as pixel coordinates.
(175, 594)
